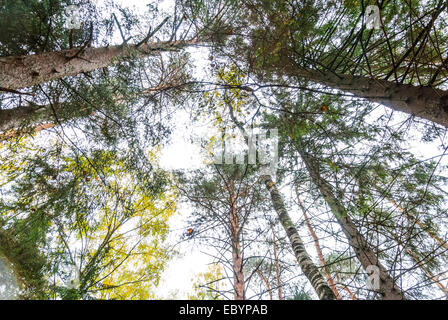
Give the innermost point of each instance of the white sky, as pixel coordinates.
(182, 154)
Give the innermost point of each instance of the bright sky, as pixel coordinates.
(182, 154)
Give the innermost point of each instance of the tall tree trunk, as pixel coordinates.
(425, 102)
(16, 117)
(266, 282)
(389, 290)
(34, 117)
(341, 284)
(307, 265)
(318, 249)
(238, 275)
(18, 72)
(277, 268)
(237, 259)
(350, 293)
(304, 260)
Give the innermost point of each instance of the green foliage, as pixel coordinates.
(38, 25)
(35, 26)
(60, 202)
(300, 294)
(86, 215)
(208, 285)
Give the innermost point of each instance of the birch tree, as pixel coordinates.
(233, 102)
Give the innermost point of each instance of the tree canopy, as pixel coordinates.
(321, 134)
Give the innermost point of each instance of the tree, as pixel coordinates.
(327, 43)
(83, 226)
(208, 284)
(233, 101)
(228, 197)
(352, 184)
(307, 151)
(388, 288)
(124, 78)
(21, 72)
(326, 142)
(272, 270)
(418, 191)
(330, 280)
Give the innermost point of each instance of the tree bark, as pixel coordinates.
(18, 72)
(389, 290)
(319, 250)
(310, 270)
(266, 282)
(351, 294)
(14, 118)
(424, 102)
(304, 260)
(39, 118)
(237, 259)
(277, 269)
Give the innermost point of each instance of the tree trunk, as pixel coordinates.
(351, 294)
(423, 102)
(306, 264)
(389, 290)
(266, 282)
(18, 72)
(238, 275)
(310, 270)
(16, 117)
(237, 259)
(319, 250)
(277, 269)
(39, 118)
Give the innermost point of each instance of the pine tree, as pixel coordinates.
(326, 43)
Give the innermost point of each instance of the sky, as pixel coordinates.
(182, 154)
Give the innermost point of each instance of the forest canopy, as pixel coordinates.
(283, 150)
